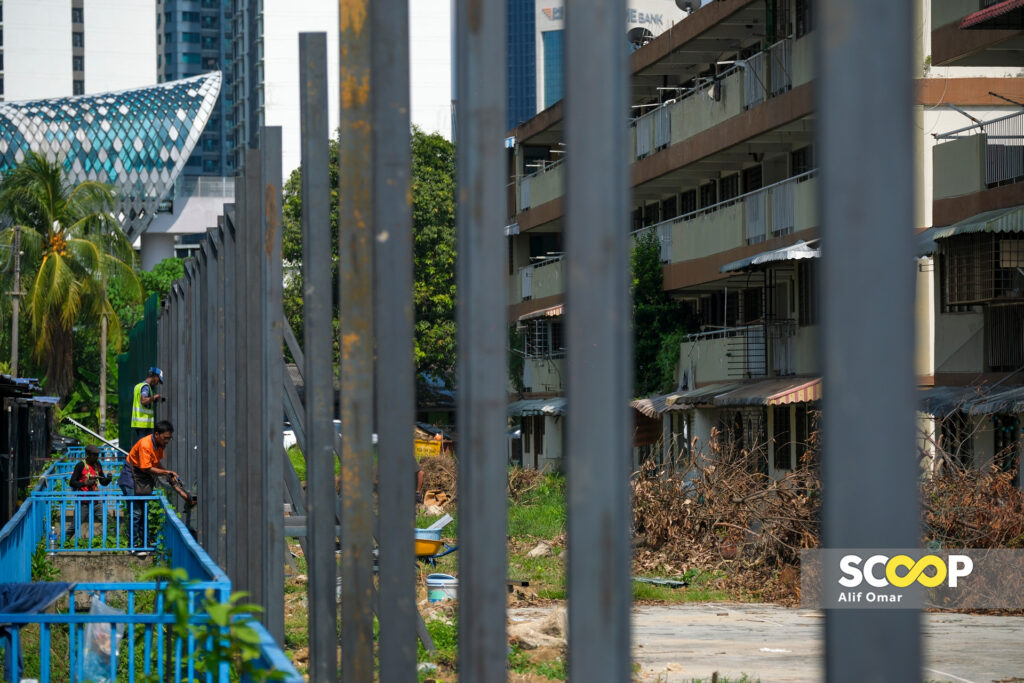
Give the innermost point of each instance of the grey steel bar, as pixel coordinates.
(252, 247)
(599, 358)
(866, 194)
(393, 315)
(213, 492)
(292, 344)
(355, 275)
(233, 471)
(318, 371)
(240, 449)
(482, 334)
(273, 371)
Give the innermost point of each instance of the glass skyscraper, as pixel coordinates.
(195, 37)
(522, 62)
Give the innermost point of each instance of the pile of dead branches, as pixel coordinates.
(521, 482)
(965, 508)
(726, 513)
(440, 474)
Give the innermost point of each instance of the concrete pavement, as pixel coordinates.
(677, 643)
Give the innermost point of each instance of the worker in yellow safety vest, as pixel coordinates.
(143, 403)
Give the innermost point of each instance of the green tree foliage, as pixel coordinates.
(73, 247)
(433, 216)
(433, 222)
(658, 322)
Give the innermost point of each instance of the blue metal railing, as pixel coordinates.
(75, 453)
(151, 647)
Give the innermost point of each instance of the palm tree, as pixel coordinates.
(73, 245)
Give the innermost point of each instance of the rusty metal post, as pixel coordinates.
(355, 234)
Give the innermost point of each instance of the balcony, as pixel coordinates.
(771, 348)
(696, 109)
(542, 185)
(544, 374)
(776, 210)
(541, 279)
(977, 157)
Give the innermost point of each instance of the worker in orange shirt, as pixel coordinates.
(142, 472)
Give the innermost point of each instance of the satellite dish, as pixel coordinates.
(639, 36)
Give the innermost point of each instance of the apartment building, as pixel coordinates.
(724, 172)
(971, 279)
(59, 48)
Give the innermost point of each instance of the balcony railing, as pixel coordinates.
(768, 73)
(137, 619)
(547, 281)
(750, 347)
(1004, 146)
(775, 200)
(664, 233)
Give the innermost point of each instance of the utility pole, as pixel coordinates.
(103, 375)
(17, 301)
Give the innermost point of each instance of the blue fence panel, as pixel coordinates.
(272, 658)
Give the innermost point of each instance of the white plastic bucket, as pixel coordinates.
(442, 587)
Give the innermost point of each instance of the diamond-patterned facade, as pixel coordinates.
(136, 140)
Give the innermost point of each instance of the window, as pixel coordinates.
(803, 427)
(78, 39)
(190, 58)
(1006, 444)
(652, 215)
(1003, 341)
(78, 63)
(982, 267)
(804, 17)
(782, 439)
(668, 208)
(545, 244)
(708, 194)
(752, 304)
(801, 160)
(78, 88)
(752, 179)
(1, 61)
(1, 85)
(190, 17)
(76, 15)
(688, 202)
(730, 187)
(955, 440)
(544, 338)
(807, 291)
(189, 37)
(210, 165)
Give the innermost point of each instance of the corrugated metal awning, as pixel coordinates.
(793, 252)
(653, 406)
(550, 312)
(704, 396)
(771, 392)
(999, 220)
(1009, 400)
(1007, 14)
(538, 406)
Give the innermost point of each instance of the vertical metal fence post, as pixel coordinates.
(482, 334)
(252, 247)
(866, 195)
(218, 496)
(355, 274)
(212, 493)
(233, 473)
(598, 354)
(239, 465)
(318, 373)
(396, 387)
(272, 375)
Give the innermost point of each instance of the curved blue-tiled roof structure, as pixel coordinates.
(136, 140)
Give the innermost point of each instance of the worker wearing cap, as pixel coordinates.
(143, 401)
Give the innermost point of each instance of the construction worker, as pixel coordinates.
(143, 403)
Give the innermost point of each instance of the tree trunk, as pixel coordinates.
(59, 367)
